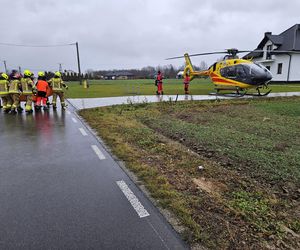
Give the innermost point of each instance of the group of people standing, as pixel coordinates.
(159, 83)
(17, 87)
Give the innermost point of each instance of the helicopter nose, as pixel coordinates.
(268, 77)
(262, 78)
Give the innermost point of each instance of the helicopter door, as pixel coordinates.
(228, 72)
(236, 72)
(241, 74)
(231, 72)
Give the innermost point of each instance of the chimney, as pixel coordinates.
(268, 33)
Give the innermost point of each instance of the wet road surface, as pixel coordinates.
(60, 189)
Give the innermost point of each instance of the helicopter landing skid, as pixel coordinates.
(259, 94)
(236, 94)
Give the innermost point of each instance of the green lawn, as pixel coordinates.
(108, 88)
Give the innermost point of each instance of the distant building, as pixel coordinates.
(69, 71)
(122, 75)
(281, 54)
(179, 74)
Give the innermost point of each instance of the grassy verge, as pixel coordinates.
(228, 170)
(108, 88)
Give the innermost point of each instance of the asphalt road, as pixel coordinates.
(60, 189)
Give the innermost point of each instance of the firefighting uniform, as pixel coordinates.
(15, 92)
(57, 84)
(27, 88)
(4, 93)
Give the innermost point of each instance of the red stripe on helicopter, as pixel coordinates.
(217, 79)
(213, 75)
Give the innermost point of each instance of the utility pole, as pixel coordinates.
(60, 67)
(5, 67)
(78, 61)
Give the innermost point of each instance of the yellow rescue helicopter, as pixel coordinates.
(232, 74)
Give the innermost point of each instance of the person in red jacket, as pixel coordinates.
(186, 83)
(159, 83)
(41, 87)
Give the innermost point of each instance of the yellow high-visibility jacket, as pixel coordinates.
(4, 86)
(14, 87)
(27, 86)
(57, 84)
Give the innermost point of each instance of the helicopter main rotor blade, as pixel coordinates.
(176, 57)
(200, 54)
(237, 51)
(209, 53)
(271, 51)
(284, 52)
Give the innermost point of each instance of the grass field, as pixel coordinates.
(246, 193)
(108, 88)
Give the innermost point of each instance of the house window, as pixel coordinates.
(279, 69)
(268, 68)
(268, 55)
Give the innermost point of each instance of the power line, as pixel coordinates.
(47, 46)
(36, 46)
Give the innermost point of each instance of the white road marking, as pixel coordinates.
(134, 201)
(74, 120)
(82, 131)
(98, 152)
(68, 112)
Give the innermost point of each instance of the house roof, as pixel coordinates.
(287, 40)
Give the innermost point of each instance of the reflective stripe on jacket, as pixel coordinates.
(14, 87)
(57, 84)
(27, 84)
(4, 84)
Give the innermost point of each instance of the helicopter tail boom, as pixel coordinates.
(190, 69)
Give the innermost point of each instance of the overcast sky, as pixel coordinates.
(119, 34)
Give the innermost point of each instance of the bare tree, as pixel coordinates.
(203, 65)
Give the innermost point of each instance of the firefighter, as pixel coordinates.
(27, 89)
(15, 90)
(42, 87)
(159, 83)
(57, 85)
(4, 92)
(186, 83)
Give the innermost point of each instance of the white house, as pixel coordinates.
(281, 54)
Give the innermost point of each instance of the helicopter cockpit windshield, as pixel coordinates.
(256, 69)
(251, 73)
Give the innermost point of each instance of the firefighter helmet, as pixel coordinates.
(4, 76)
(57, 73)
(27, 73)
(41, 74)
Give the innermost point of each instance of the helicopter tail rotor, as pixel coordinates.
(188, 66)
(189, 69)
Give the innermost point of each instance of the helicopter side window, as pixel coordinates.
(240, 71)
(228, 72)
(224, 71)
(231, 72)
